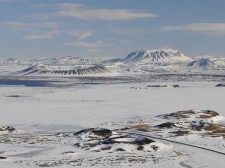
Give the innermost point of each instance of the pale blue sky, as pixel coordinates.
(110, 28)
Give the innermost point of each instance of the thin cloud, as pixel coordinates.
(86, 44)
(125, 41)
(81, 35)
(80, 12)
(96, 44)
(126, 31)
(16, 25)
(11, 1)
(93, 50)
(48, 24)
(22, 25)
(47, 35)
(207, 28)
(84, 35)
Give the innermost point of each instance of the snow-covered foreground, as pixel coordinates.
(39, 113)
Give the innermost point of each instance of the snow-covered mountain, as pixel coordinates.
(207, 62)
(41, 69)
(67, 60)
(137, 62)
(161, 57)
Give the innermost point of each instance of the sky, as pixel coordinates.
(110, 28)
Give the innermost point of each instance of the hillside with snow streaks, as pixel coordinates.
(162, 56)
(40, 69)
(207, 62)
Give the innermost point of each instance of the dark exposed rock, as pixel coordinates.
(93, 144)
(154, 147)
(14, 96)
(120, 150)
(97, 150)
(108, 141)
(102, 132)
(68, 152)
(137, 141)
(176, 86)
(166, 125)
(106, 148)
(143, 141)
(2, 157)
(64, 134)
(77, 144)
(123, 129)
(7, 128)
(156, 86)
(84, 131)
(140, 148)
(220, 85)
(180, 133)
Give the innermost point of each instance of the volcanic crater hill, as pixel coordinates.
(160, 57)
(65, 70)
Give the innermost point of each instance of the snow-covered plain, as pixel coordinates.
(38, 113)
(87, 105)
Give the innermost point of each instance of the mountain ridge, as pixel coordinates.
(61, 60)
(160, 57)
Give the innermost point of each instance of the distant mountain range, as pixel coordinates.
(170, 57)
(67, 60)
(138, 61)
